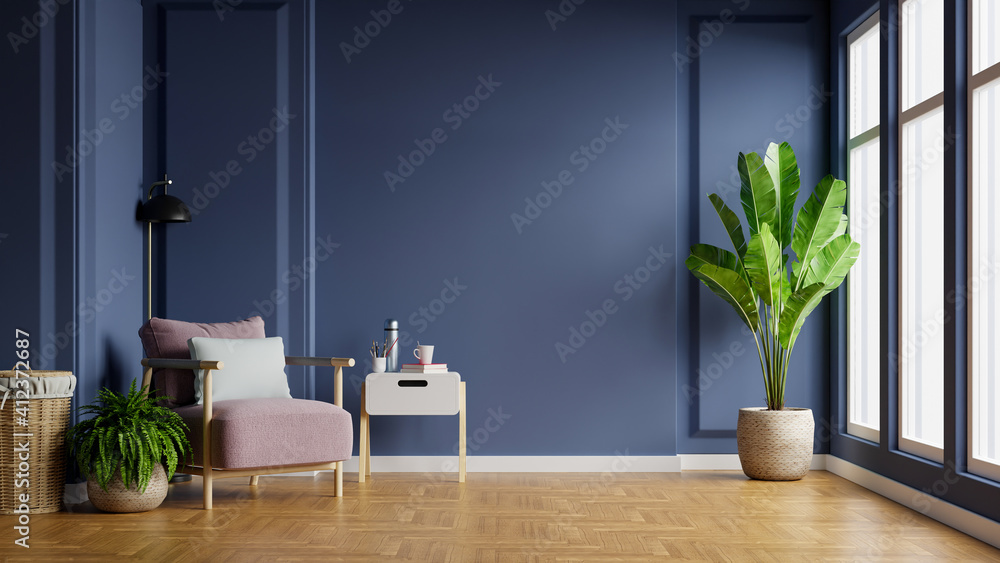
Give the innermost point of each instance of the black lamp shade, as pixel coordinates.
(165, 209)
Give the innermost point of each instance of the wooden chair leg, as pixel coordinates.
(206, 437)
(253, 480)
(338, 488)
(206, 491)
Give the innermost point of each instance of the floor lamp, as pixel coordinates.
(163, 208)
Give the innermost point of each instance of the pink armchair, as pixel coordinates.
(245, 437)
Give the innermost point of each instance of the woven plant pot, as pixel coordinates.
(775, 445)
(118, 498)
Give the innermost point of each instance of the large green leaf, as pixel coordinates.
(819, 221)
(763, 264)
(831, 264)
(784, 171)
(732, 224)
(710, 254)
(797, 309)
(760, 201)
(730, 286)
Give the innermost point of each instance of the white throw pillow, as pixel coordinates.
(253, 368)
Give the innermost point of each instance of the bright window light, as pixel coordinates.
(864, 208)
(984, 243)
(920, 356)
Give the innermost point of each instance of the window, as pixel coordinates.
(984, 241)
(921, 229)
(864, 209)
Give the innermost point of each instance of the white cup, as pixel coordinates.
(424, 353)
(378, 365)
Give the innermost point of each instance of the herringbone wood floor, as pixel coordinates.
(708, 516)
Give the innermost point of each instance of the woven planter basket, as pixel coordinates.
(119, 498)
(47, 422)
(775, 445)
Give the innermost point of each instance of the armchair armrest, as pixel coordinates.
(316, 361)
(338, 374)
(150, 363)
(180, 364)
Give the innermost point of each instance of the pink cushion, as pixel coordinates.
(271, 432)
(163, 338)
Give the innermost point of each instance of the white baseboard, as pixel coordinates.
(720, 462)
(621, 463)
(952, 515)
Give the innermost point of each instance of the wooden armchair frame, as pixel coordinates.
(209, 473)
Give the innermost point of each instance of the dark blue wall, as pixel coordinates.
(20, 160)
(110, 247)
(529, 288)
(571, 312)
(527, 285)
(69, 211)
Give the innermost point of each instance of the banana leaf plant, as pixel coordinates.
(770, 295)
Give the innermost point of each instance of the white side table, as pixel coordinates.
(397, 393)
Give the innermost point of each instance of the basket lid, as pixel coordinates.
(37, 384)
(35, 373)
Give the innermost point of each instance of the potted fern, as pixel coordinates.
(123, 448)
(773, 293)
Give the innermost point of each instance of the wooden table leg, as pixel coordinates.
(461, 432)
(363, 446)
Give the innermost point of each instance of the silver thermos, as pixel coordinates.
(391, 334)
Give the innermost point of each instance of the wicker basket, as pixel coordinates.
(47, 422)
(775, 445)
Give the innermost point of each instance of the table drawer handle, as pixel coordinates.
(412, 383)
